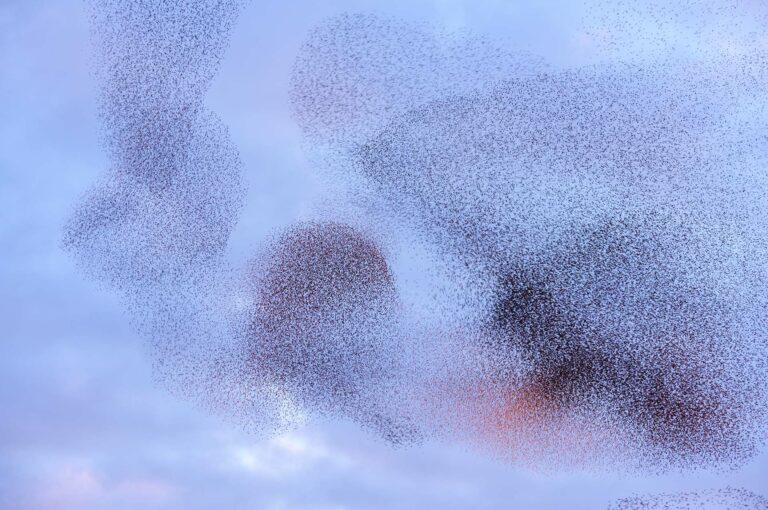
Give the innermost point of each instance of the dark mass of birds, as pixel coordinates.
(601, 230)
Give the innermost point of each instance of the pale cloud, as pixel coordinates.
(76, 486)
(289, 455)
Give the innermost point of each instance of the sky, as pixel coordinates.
(83, 425)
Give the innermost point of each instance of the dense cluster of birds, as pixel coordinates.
(601, 231)
(608, 217)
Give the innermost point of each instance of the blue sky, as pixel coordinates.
(83, 426)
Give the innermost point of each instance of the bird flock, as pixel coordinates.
(598, 233)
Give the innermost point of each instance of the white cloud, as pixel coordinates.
(288, 454)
